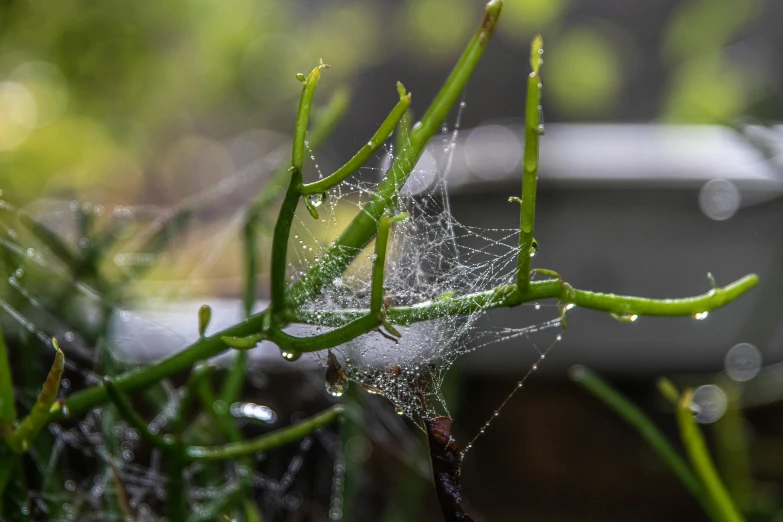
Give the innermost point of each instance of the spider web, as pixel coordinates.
(430, 256)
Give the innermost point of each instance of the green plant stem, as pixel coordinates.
(509, 295)
(22, 436)
(527, 211)
(323, 126)
(402, 133)
(365, 153)
(732, 447)
(7, 400)
(287, 210)
(303, 115)
(179, 422)
(649, 432)
(224, 420)
(363, 227)
(127, 412)
(378, 265)
(700, 458)
(139, 378)
(280, 242)
(379, 262)
(330, 339)
(176, 492)
(265, 442)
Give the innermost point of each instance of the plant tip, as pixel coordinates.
(536, 51)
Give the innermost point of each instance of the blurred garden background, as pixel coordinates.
(661, 161)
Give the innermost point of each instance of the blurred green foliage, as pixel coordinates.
(93, 96)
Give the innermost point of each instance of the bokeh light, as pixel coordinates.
(709, 403)
(743, 362)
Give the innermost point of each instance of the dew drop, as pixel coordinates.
(626, 318)
(336, 389)
(196, 451)
(317, 199)
(533, 248)
(291, 356)
(537, 306)
(701, 316)
(540, 129)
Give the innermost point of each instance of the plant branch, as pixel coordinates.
(365, 153)
(509, 295)
(533, 126)
(287, 210)
(700, 458)
(7, 400)
(20, 439)
(265, 442)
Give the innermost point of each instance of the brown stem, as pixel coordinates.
(446, 463)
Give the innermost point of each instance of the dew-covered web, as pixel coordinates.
(431, 256)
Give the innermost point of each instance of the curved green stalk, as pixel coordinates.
(509, 295)
(533, 129)
(287, 210)
(303, 115)
(265, 442)
(7, 400)
(602, 390)
(323, 126)
(700, 458)
(347, 332)
(365, 153)
(139, 378)
(22, 437)
(379, 261)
